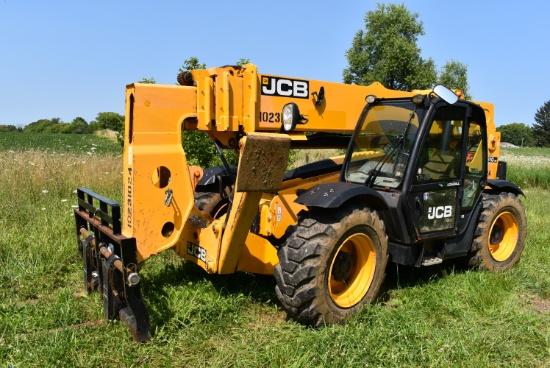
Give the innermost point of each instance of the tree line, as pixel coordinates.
(104, 120)
(384, 50)
(522, 134)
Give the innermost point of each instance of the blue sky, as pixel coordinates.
(73, 58)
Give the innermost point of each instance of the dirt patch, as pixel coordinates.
(262, 317)
(77, 326)
(541, 305)
(31, 300)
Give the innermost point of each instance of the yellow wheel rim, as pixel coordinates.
(503, 236)
(352, 270)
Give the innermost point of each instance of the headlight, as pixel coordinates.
(370, 99)
(291, 116)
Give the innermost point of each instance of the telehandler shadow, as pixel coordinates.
(261, 288)
(403, 277)
(155, 288)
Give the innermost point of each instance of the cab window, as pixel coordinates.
(475, 164)
(440, 158)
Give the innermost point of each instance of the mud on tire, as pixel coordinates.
(500, 235)
(318, 282)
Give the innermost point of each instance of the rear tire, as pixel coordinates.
(500, 236)
(331, 265)
(211, 204)
(207, 202)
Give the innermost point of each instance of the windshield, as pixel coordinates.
(381, 147)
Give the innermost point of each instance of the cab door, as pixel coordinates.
(436, 189)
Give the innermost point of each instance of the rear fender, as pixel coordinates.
(334, 195)
(499, 186)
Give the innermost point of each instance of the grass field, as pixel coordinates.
(528, 167)
(64, 143)
(439, 317)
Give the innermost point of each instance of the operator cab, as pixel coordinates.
(426, 156)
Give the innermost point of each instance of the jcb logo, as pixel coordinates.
(196, 251)
(440, 212)
(273, 86)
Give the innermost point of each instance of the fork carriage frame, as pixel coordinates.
(110, 262)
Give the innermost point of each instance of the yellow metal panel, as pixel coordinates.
(265, 216)
(243, 211)
(155, 150)
(205, 241)
(258, 256)
(493, 140)
(251, 95)
(205, 102)
(229, 101)
(339, 112)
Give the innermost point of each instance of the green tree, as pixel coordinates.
(517, 133)
(541, 128)
(147, 80)
(5, 128)
(192, 63)
(243, 61)
(110, 120)
(454, 75)
(94, 126)
(36, 126)
(78, 126)
(387, 51)
(199, 148)
(53, 125)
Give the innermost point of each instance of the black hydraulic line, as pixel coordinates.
(222, 157)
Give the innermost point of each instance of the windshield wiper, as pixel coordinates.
(398, 144)
(378, 168)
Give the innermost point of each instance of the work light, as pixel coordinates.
(291, 116)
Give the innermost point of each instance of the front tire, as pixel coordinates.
(500, 236)
(331, 265)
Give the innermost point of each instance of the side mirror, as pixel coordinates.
(446, 94)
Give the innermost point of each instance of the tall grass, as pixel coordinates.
(441, 316)
(88, 144)
(36, 197)
(528, 167)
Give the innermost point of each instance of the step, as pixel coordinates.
(430, 261)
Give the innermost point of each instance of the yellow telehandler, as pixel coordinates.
(420, 182)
